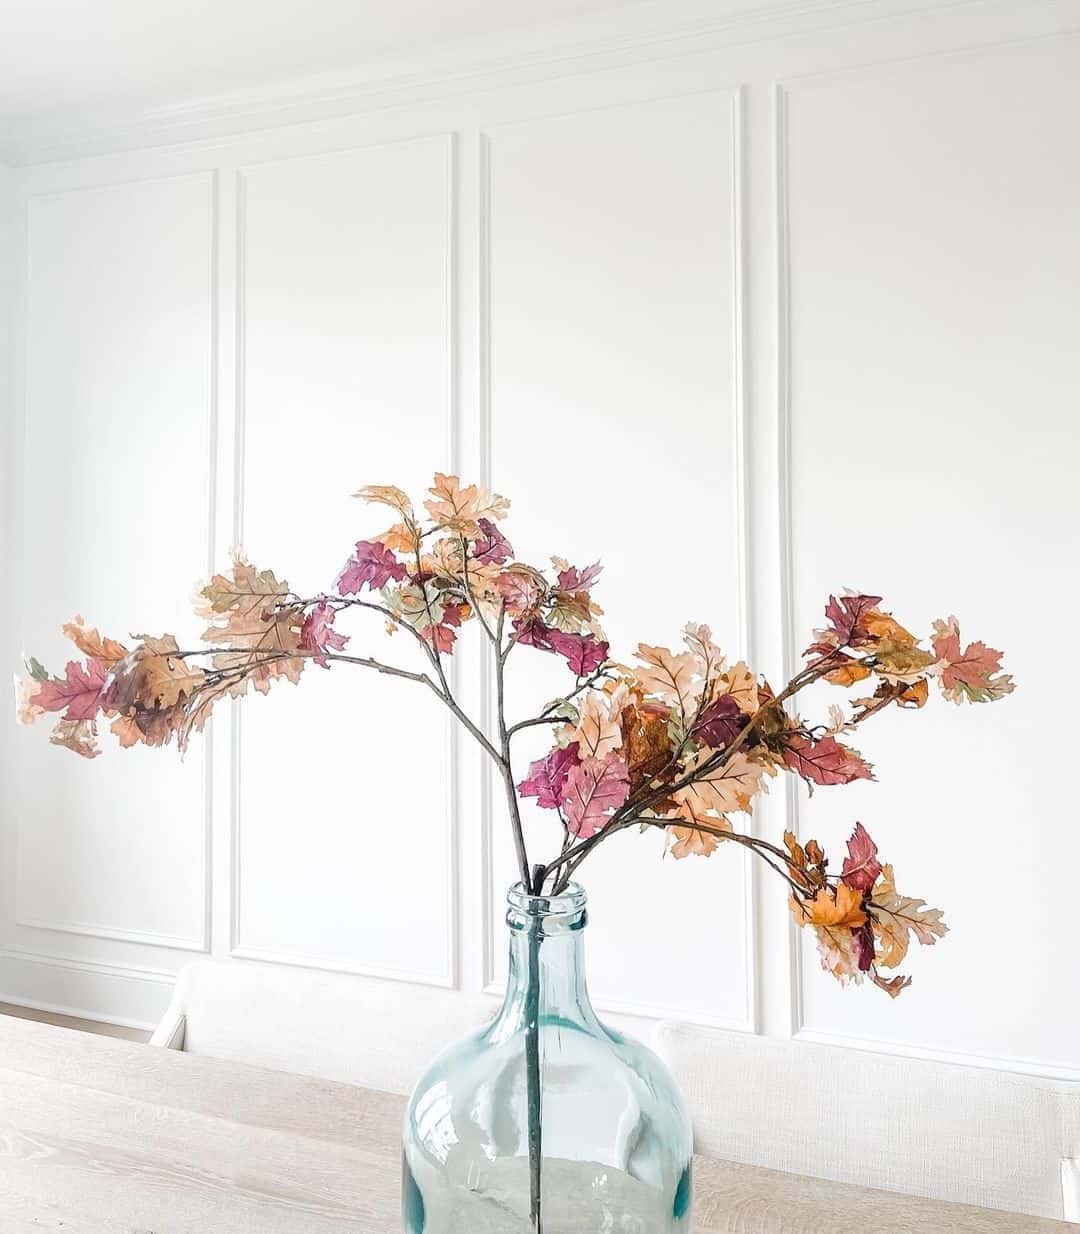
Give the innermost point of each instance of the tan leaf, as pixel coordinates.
(388, 495)
(153, 676)
(710, 660)
(76, 735)
(741, 684)
(401, 538)
(724, 789)
(895, 918)
(597, 729)
(106, 650)
(698, 838)
(667, 675)
(459, 508)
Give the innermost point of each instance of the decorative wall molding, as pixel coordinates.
(144, 938)
(591, 43)
(237, 948)
(125, 972)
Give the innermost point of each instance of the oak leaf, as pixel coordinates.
(570, 578)
(491, 546)
(740, 684)
(318, 635)
(594, 788)
(373, 565)
(598, 730)
(710, 661)
(896, 917)
(153, 676)
(699, 837)
(106, 651)
(861, 866)
(77, 694)
(76, 735)
(825, 761)
(731, 786)
(973, 673)
(667, 675)
(547, 776)
(460, 509)
(718, 723)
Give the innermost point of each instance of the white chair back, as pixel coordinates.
(362, 1030)
(965, 1134)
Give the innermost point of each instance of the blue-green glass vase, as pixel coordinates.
(546, 1121)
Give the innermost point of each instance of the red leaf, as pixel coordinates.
(372, 563)
(718, 724)
(79, 691)
(594, 788)
(825, 761)
(547, 777)
(317, 634)
(441, 637)
(861, 866)
(844, 614)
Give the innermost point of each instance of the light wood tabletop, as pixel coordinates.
(100, 1136)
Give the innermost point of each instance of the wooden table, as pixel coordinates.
(99, 1136)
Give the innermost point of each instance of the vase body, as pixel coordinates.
(545, 1121)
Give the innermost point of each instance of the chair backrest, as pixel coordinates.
(361, 1030)
(966, 1134)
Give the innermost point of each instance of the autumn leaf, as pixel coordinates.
(388, 495)
(27, 708)
(667, 675)
(861, 866)
(318, 636)
(739, 683)
(570, 578)
(825, 909)
(594, 788)
(460, 509)
(825, 761)
(106, 651)
(974, 673)
(900, 662)
(848, 672)
(896, 917)
(491, 546)
(521, 588)
(373, 565)
(719, 723)
(547, 776)
(645, 743)
(894, 986)
(570, 611)
(401, 538)
(699, 837)
(583, 653)
(835, 923)
(76, 735)
(709, 659)
(248, 590)
(723, 789)
(845, 616)
(77, 694)
(154, 676)
(598, 731)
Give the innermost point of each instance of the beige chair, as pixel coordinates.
(966, 1134)
(380, 1034)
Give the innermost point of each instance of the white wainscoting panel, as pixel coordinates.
(117, 470)
(345, 363)
(614, 418)
(833, 248)
(934, 260)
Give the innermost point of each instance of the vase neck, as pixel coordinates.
(546, 936)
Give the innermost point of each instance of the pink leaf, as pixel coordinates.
(317, 633)
(582, 652)
(441, 637)
(547, 776)
(825, 761)
(573, 579)
(492, 546)
(861, 866)
(594, 788)
(79, 691)
(372, 563)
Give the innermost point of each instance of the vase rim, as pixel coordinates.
(568, 903)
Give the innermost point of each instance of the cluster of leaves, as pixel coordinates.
(680, 741)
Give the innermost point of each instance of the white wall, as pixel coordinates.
(807, 286)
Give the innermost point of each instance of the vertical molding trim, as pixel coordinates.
(784, 471)
(740, 407)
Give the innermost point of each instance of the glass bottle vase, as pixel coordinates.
(545, 1121)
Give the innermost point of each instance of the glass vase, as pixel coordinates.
(546, 1121)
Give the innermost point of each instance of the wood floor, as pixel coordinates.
(67, 1021)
